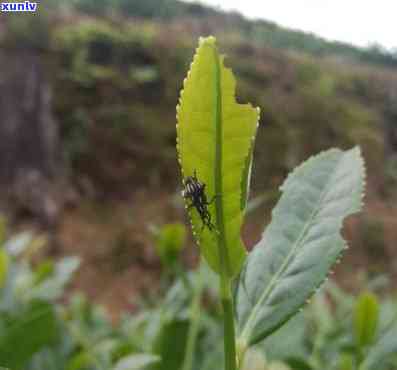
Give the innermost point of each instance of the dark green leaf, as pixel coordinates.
(26, 333)
(171, 343)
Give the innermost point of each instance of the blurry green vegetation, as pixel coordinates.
(116, 80)
(262, 33)
(334, 330)
(170, 241)
(98, 52)
(27, 32)
(115, 86)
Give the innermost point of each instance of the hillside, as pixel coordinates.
(115, 79)
(261, 32)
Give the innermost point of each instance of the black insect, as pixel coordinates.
(195, 192)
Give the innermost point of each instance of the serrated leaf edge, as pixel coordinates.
(181, 95)
(212, 40)
(243, 342)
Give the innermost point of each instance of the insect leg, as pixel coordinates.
(213, 199)
(210, 225)
(203, 225)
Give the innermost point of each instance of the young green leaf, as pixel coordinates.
(301, 243)
(380, 352)
(366, 319)
(215, 136)
(169, 243)
(346, 362)
(4, 264)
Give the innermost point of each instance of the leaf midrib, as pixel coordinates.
(249, 323)
(222, 248)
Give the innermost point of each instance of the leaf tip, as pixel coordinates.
(210, 40)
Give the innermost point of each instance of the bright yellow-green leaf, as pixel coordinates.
(346, 362)
(215, 136)
(170, 241)
(4, 262)
(366, 319)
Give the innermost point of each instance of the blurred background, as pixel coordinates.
(88, 90)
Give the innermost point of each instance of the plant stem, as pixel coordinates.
(228, 324)
(180, 272)
(194, 322)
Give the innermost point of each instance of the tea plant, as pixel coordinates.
(262, 290)
(37, 332)
(335, 331)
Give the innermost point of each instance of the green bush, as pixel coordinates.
(332, 331)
